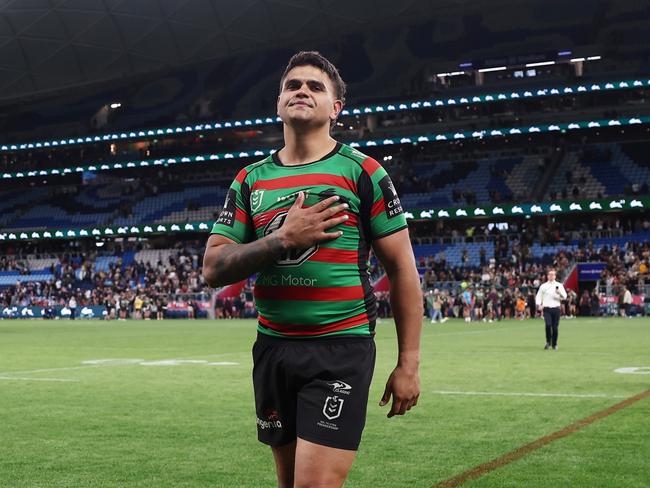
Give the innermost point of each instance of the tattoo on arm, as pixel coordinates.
(236, 262)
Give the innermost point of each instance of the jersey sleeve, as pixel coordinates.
(234, 221)
(385, 214)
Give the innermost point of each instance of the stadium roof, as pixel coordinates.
(50, 45)
(47, 45)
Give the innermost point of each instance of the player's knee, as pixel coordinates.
(285, 482)
(285, 478)
(331, 476)
(325, 480)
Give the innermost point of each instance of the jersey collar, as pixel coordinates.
(276, 158)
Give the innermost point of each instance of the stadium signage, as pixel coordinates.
(487, 211)
(590, 271)
(124, 231)
(527, 209)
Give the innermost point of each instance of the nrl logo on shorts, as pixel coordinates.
(332, 408)
(256, 199)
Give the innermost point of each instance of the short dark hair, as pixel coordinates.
(316, 59)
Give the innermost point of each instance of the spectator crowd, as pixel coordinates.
(500, 286)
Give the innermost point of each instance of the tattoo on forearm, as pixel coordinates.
(239, 261)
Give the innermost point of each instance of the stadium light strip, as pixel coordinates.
(102, 231)
(496, 68)
(416, 139)
(492, 211)
(541, 63)
(362, 110)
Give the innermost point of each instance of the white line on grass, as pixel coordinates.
(98, 363)
(15, 378)
(522, 394)
(451, 332)
(49, 370)
(525, 353)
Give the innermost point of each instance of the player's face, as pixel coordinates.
(307, 97)
(551, 275)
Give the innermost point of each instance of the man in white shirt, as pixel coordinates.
(548, 300)
(627, 302)
(72, 305)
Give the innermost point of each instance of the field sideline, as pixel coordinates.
(174, 407)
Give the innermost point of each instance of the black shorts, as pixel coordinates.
(315, 389)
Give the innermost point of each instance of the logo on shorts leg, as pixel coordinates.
(339, 386)
(332, 408)
(272, 420)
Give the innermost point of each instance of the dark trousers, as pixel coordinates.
(627, 307)
(552, 319)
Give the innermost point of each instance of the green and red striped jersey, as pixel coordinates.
(324, 290)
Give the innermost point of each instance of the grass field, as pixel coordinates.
(487, 389)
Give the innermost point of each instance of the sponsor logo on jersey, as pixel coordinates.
(339, 386)
(392, 204)
(227, 215)
(321, 195)
(333, 407)
(257, 197)
(294, 195)
(285, 280)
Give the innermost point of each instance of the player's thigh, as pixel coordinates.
(321, 466)
(285, 457)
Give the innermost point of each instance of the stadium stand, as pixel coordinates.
(487, 179)
(602, 170)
